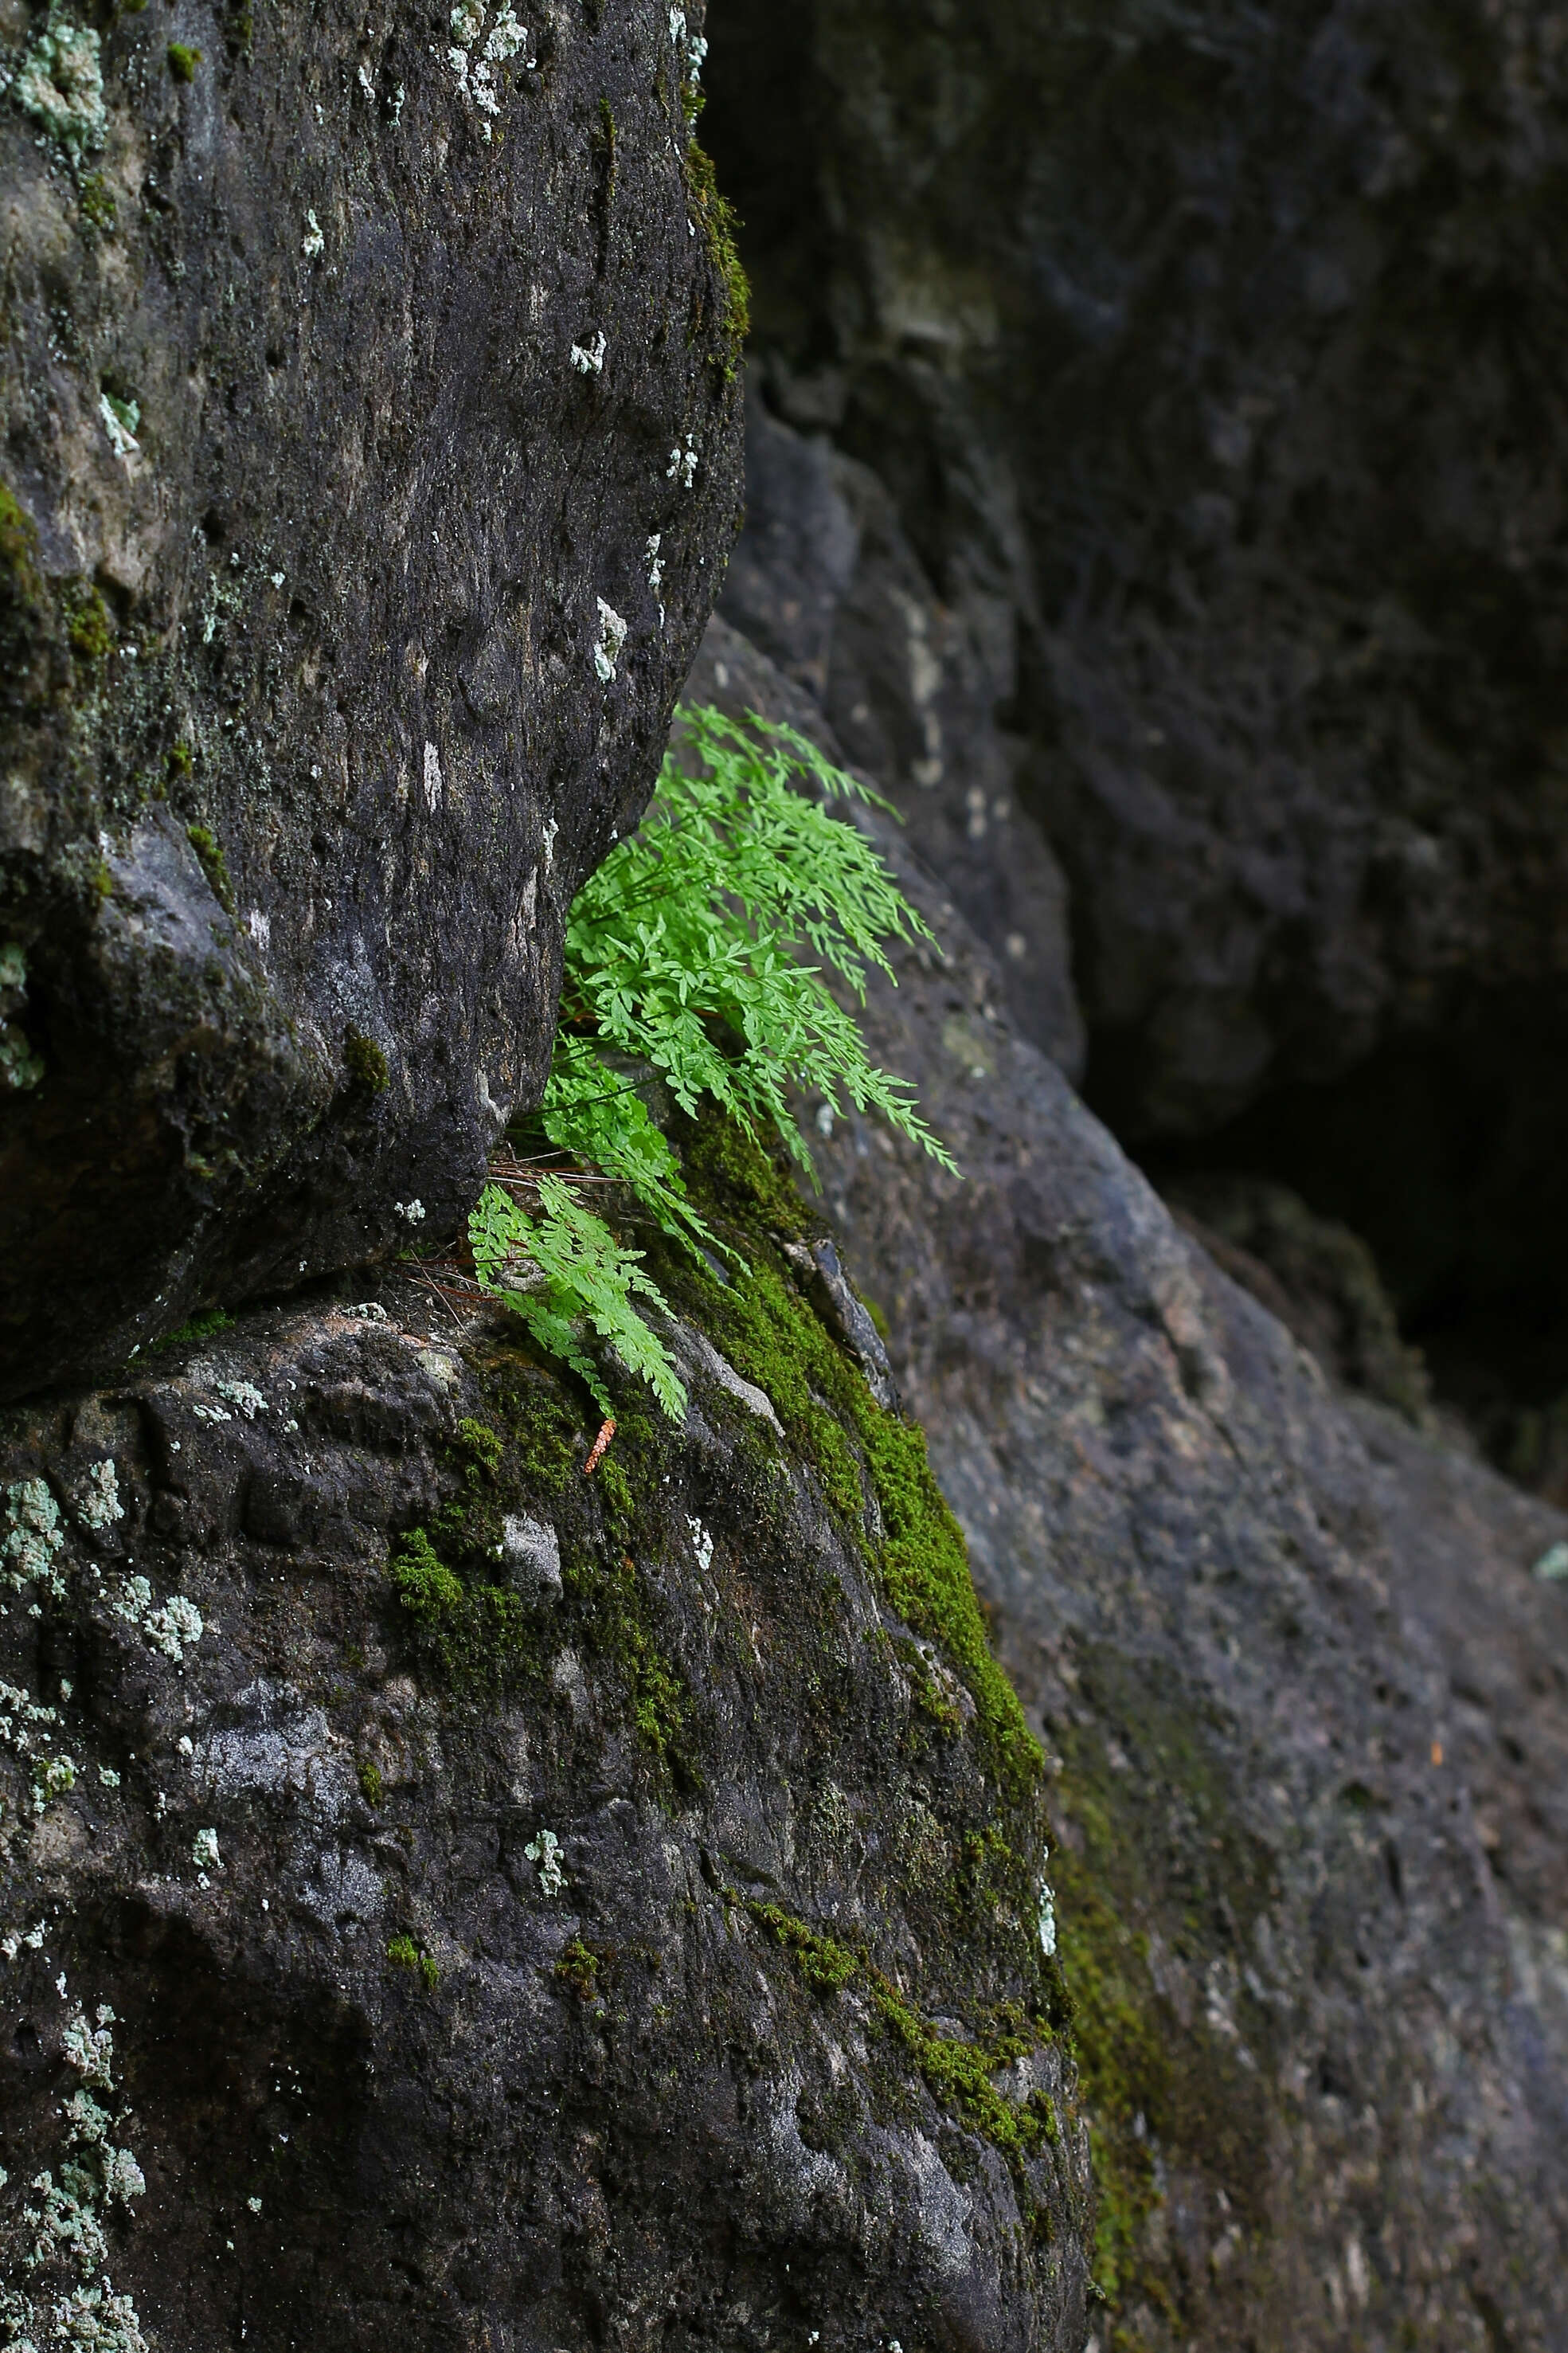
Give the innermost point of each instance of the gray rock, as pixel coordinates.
(585, 1964)
(1311, 1713)
(533, 1553)
(824, 582)
(318, 547)
(1308, 1704)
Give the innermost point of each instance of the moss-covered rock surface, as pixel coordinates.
(535, 1909)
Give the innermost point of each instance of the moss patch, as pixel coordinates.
(578, 1971)
(426, 1586)
(957, 2073)
(404, 1954)
(183, 61)
(717, 219)
(365, 1063)
(774, 1339)
(96, 198)
(200, 1327)
(1157, 1848)
(18, 552)
(215, 865)
(483, 1637)
(90, 630)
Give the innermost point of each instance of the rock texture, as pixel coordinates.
(1308, 1707)
(1212, 359)
(370, 454)
(825, 580)
(618, 1926)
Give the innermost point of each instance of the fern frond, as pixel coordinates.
(699, 950)
(587, 1278)
(690, 941)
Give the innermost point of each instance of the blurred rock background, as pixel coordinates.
(1155, 470)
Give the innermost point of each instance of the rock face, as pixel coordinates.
(1212, 359)
(1308, 1704)
(620, 1924)
(372, 450)
(825, 580)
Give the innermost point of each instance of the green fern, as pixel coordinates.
(699, 950)
(685, 950)
(575, 1272)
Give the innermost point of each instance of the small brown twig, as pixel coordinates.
(447, 1286)
(600, 1448)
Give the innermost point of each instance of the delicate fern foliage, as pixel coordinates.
(688, 949)
(700, 949)
(563, 1268)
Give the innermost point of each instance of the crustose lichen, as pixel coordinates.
(60, 85)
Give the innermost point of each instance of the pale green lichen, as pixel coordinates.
(60, 85)
(171, 1626)
(121, 420)
(61, 2227)
(32, 1536)
(100, 1507)
(544, 1853)
(90, 2048)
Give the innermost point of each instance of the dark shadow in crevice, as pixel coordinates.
(1447, 1153)
(762, 126)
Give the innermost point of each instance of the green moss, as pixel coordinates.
(369, 1781)
(90, 630)
(545, 1447)
(774, 1338)
(365, 1063)
(957, 2073)
(718, 220)
(578, 1970)
(215, 865)
(18, 551)
(182, 761)
(607, 137)
(618, 1628)
(728, 1167)
(24, 607)
(1154, 2089)
(1123, 2071)
(483, 1636)
(426, 1586)
(482, 1445)
(183, 61)
(200, 1327)
(826, 1965)
(404, 1954)
(97, 201)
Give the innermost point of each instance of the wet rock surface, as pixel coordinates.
(372, 451)
(615, 1923)
(1309, 1705)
